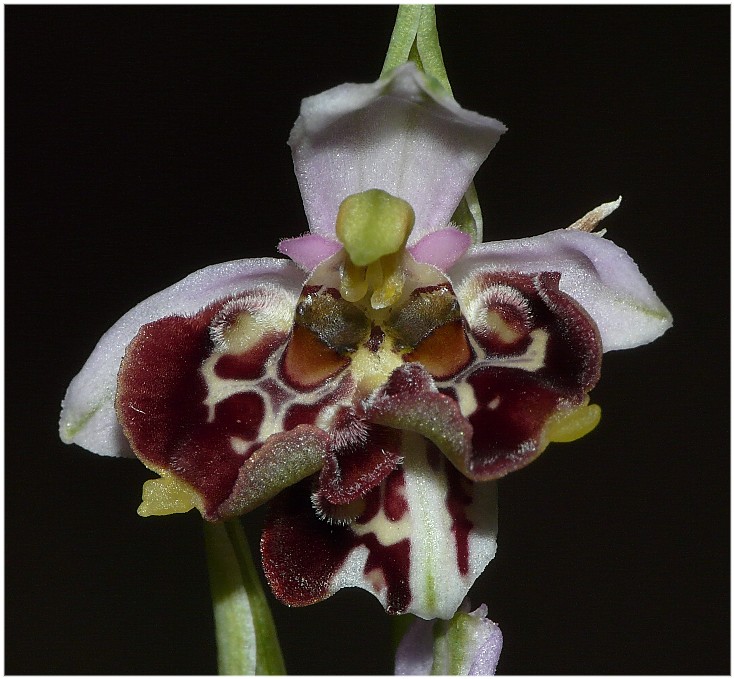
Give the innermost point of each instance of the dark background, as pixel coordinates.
(146, 142)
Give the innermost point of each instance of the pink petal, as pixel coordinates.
(310, 250)
(486, 656)
(442, 248)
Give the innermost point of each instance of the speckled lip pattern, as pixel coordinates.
(200, 395)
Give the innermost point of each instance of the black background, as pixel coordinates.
(146, 142)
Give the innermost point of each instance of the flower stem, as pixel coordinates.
(402, 38)
(415, 38)
(247, 641)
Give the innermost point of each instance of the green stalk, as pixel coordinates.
(403, 37)
(247, 641)
(415, 38)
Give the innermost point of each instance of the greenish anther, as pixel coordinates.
(373, 224)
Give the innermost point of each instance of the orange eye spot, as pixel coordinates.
(444, 352)
(308, 362)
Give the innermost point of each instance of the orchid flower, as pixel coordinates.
(467, 645)
(372, 387)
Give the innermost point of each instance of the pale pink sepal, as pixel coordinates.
(310, 250)
(414, 656)
(88, 415)
(442, 248)
(487, 653)
(403, 134)
(599, 275)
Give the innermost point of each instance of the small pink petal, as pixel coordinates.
(442, 248)
(309, 251)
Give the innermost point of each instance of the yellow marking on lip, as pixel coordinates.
(243, 334)
(386, 531)
(376, 578)
(497, 325)
(372, 369)
(534, 357)
(239, 445)
(467, 400)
